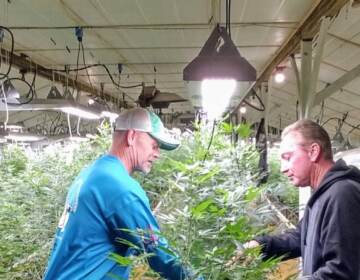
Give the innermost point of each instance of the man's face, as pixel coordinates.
(295, 159)
(146, 151)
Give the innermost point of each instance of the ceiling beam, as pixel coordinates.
(307, 29)
(337, 85)
(164, 26)
(144, 48)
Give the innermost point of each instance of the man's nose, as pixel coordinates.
(157, 153)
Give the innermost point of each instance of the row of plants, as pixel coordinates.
(32, 195)
(205, 197)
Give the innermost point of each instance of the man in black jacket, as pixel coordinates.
(328, 236)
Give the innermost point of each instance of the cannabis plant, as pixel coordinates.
(32, 195)
(206, 199)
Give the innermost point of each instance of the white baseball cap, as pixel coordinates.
(144, 120)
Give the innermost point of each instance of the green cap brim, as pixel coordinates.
(165, 143)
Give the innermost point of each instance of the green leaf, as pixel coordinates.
(227, 127)
(199, 209)
(252, 193)
(207, 176)
(125, 261)
(166, 250)
(126, 242)
(244, 130)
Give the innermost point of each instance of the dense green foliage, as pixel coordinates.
(32, 195)
(205, 199)
(208, 208)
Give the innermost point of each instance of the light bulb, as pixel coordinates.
(242, 109)
(216, 95)
(279, 77)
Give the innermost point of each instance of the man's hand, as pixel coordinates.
(240, 251)
(251, 244)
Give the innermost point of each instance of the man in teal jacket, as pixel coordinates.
(107, 211)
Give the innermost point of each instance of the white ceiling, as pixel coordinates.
(168, 34)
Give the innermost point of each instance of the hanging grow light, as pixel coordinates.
(219, 61)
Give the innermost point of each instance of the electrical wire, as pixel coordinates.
(84, 62)
(352, 129)
(341, 122)
(97, 65)
(329, 119)
(321, 113)
(108, 73)
(6, 74)
(297, 109)
(32, 87)
(67, 70)
(210, 142)
(228, 17)
(6, 107)
(262, 109)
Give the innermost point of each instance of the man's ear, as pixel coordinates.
(315, 152)
(130, 137)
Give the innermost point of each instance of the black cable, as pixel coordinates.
(77, 68)
(226, 15)
(262, 109)
(97, 65)
(2, 75)
(84, 62)
(297, 109)
(210, 142)
(352, 129)
(32, 87)
(321, 113)
(333, 118)
(343, 121)
(229, 14)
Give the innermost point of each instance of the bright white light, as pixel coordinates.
(216, 95)
(90, 136)
(111, 115)
(80, 113)
(23, 137)
(78, 139)
(12, 127)
(91, 101)
(279, 77)
(242, 110)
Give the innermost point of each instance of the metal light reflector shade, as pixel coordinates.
(219, 59)
(10, 92)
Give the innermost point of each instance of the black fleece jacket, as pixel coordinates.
(328, 236)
